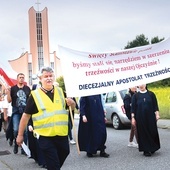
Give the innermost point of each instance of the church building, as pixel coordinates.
(39, 55)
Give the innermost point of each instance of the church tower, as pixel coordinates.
(39, 54)
(39, 39)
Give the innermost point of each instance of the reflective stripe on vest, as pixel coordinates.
(49, 121)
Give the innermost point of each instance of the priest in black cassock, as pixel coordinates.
(92, 128)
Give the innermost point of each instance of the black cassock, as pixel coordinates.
(144, 106)
(92, 135)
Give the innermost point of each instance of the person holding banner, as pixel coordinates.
(46, 105)
(145, 113)
(92, 128)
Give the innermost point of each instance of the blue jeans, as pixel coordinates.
(16, 117)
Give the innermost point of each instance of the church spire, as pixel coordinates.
(38, 3)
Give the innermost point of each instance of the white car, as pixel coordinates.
(115, 110)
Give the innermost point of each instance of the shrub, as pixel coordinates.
(163, 97)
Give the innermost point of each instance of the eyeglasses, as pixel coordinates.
(21, 77)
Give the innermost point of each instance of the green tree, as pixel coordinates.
(156, 40)
(60, 80)
(140, 40)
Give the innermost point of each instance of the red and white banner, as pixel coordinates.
(88, 73)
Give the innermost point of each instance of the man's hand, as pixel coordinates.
(19, 140)
(70, 102)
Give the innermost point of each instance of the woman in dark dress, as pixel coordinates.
(92, 128)
(145, 113)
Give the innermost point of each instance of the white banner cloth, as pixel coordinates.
(95, 73)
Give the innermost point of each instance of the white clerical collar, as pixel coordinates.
(143, 91)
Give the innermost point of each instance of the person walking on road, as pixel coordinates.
(70, 124)
(92, 128)
(47, 105)
(145, 113)
(127, 100)
(18, 95)
(7, 110)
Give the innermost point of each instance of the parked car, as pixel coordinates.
(115, 109)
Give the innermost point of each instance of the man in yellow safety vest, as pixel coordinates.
(46, 106)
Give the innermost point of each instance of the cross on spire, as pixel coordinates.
(38, 3)
(23, 49)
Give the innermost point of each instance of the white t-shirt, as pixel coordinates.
(1, 109)
(7, 105)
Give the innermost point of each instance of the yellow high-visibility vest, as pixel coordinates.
(52, 117)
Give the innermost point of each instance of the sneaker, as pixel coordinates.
(133, 145)
(72, 142)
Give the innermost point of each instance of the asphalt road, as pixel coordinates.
(121, 156)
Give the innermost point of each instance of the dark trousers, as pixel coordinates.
(70, 130)
(55, 149)
(133, 132)
(36, 152)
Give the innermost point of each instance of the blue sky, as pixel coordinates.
(84, 25)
